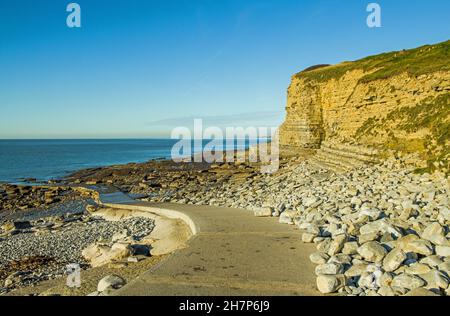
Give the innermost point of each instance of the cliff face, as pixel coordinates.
(394, 101)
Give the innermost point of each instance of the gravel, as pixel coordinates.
(60, 209)
(64, 245)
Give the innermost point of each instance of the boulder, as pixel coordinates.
(379, 227)
(416, 245)
(308, 237)
(263, 212)
(287, 217)
(445, 267)
(387, 291)
(356, 270)
(393, 259)
(432, 261)
(329, 269)
(417, 268)
(341, 258)
(435, 280)
(408, 281)
(364, 238)
(110, 282)
(420, 291)
(372, 251)
(435, 233)
(443, 251)
(350, 248)
(337, 244)
(327, 284)
(319, 257)
(98, 254)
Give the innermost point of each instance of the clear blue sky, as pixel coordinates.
(137, 67)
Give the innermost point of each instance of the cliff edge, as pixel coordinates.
(398, 101)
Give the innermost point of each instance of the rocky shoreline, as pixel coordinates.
(379, 229)
(43, 229)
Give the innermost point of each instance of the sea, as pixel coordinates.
(43, 160)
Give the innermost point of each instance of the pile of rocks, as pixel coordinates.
(54, 242)
(123, 247)
(379, 230)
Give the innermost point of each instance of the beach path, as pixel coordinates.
(231, 253)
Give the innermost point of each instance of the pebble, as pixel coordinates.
(319, 257)
(330, 283)
(372, 251)
(408, 281)
(110, 282)
(394, 259)
(329, 269)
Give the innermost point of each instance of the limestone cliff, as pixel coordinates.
(398, 100)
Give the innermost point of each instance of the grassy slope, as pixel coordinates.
(418, 61)
(432, 115)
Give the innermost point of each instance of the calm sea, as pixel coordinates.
(51, 159)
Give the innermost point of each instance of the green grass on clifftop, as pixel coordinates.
(416, 62)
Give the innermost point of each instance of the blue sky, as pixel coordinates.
(136, 68)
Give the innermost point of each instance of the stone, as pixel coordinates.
(324, 245)
(110, 281)
(445, 213)
(287, 217)
(435, 233)
(327, 284)
(308, 237)
(140, 250)
(408, 281)
(329, 269)
(379, 227)
(369, 279)
(263, 212)
(356, 270)
(319, 257)
(417, 268)
(372, 251)
(435, 280)
(307, 202)
(404, 241)
(386, 279)
(399, 290)
(419, 246)
(120, 236)
(387, 291)
(98, 255)
(444, 267)
(364, 238)
(341, 258)
(393, 259)
(8, 226)
(337, 244)
(109, 291)
(420, 291)
(432, 261)
(350, 248)
(443, 251)
(91, 208)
